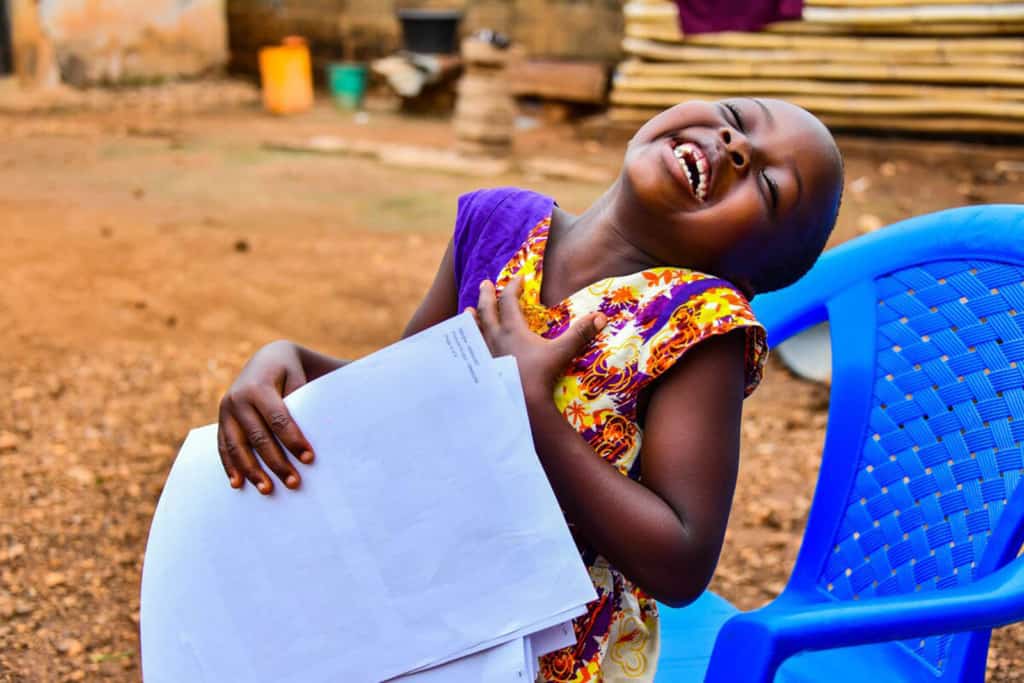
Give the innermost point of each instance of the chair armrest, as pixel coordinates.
(752, 646)
(790, 311)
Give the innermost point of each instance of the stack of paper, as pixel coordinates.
(425, 544)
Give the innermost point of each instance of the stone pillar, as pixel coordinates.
(485, 109)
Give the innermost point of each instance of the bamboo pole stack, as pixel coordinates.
(887, 65)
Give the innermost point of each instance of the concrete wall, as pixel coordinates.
(253, 24)
(560, 29)
(119, 41)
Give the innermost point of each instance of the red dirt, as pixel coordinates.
(147, 254)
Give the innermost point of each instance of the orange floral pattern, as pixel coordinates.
(654, 317)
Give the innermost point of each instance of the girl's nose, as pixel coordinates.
(737, 146)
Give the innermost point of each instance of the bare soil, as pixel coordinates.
(146, 251)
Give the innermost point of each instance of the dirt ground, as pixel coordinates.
(147, 251)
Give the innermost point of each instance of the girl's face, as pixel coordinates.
(727, 183)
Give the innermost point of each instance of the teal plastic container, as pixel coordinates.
(347, 83)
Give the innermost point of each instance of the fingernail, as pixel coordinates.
(600, 321)
(306, 457)
(292, 481)
(236, 481)
(264, 487)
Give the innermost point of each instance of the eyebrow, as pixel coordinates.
(791, 162)
(767, 112)
(772, 211)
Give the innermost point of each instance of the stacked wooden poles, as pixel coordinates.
(885, 65)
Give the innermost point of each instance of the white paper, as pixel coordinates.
(502, 664)
(544, 642)
(551, 639)
(515, 661)
(425, 529)
(526, 633)
(508, 371)
(535, 641)
(532, 661)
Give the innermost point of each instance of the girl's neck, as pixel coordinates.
(593, 246)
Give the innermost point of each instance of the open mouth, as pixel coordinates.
(695, 167)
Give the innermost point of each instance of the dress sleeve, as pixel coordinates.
(690, 314)
(468, 223)
(490, 226)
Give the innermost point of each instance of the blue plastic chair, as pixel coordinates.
(908, 559)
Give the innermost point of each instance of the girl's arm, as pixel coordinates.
(665, 533)
(442, 299)
(253, 412)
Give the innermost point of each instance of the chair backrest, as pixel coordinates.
(918, 488)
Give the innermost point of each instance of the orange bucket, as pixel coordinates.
(286, 73)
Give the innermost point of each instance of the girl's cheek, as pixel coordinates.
(751, 203)
(742, 212)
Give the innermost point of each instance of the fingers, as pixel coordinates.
(275, 414)
(244, 433)
(234, 477)
(293, 379)
(492, 311)
(234, 448)
(487, 307)
(254, 422)
(260, 438)
(580, 334)
(508, 303)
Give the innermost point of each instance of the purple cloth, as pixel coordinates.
(490, 226)
(710, 16)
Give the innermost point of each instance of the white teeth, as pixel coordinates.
(688, 153)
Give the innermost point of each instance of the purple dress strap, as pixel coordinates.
(490, 227)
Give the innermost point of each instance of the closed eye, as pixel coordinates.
(737, 119)
(773, 190)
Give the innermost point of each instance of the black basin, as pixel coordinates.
(428, 31)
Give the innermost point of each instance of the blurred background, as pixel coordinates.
(183, 181)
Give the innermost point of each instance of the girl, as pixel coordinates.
(634, 318)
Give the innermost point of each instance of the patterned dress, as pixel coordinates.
(654, 317)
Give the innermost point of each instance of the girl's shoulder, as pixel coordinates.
(501, 205)
(673, 309)
(490, 226)
(667, 288)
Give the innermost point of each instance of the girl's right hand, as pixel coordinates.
(253, 412)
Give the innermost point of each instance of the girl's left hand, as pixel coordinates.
(541, 361)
